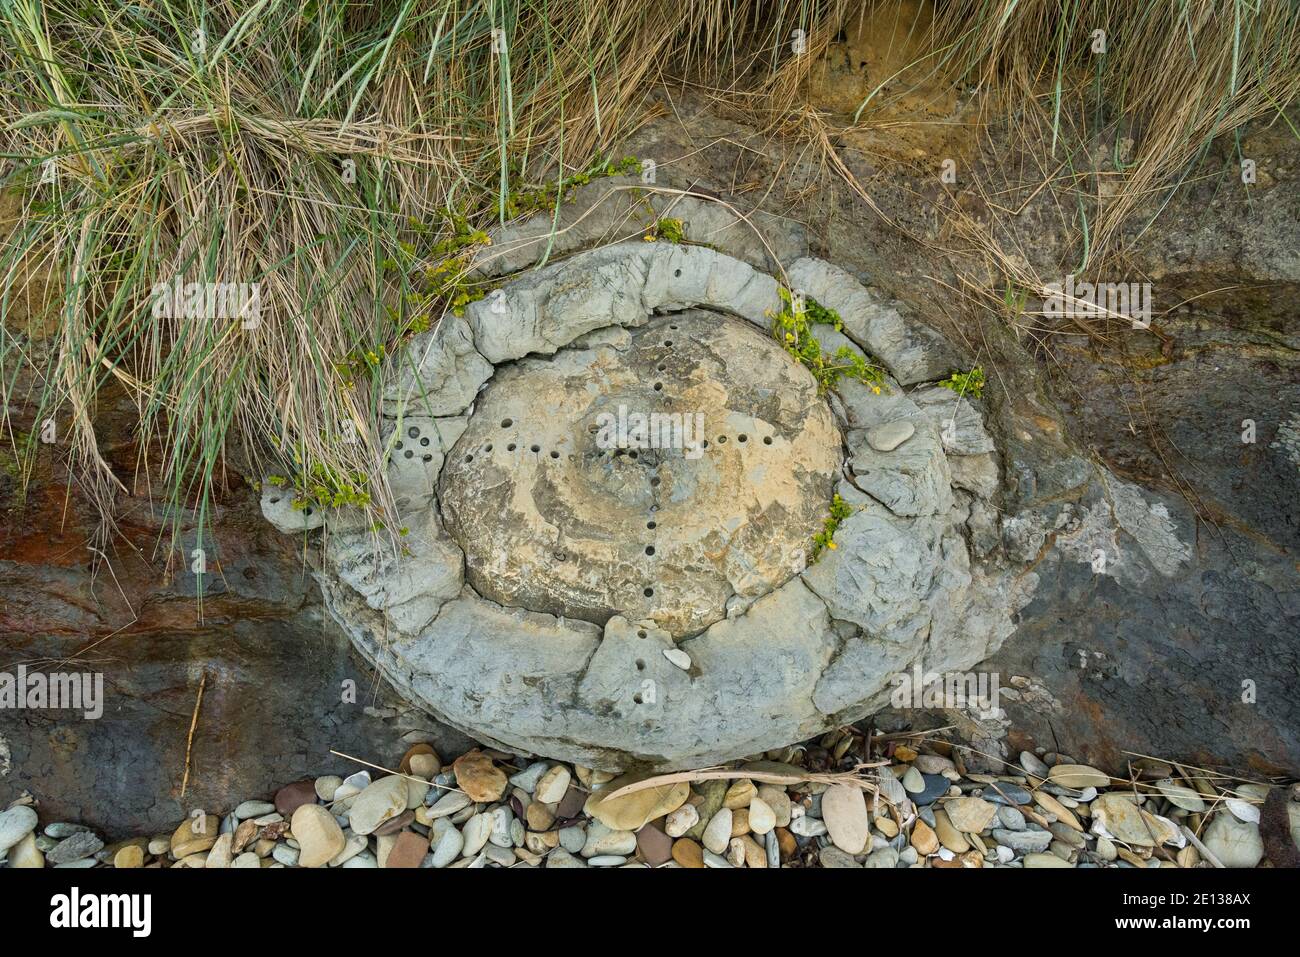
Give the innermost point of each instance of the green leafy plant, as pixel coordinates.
(966, 383)
(524, 200)
(666, 229)
(318, 486)
(839, 511)
(436, 269)
(792, 327)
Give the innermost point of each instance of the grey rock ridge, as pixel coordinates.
(665, 609)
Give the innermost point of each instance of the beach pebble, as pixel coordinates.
(552, 785)
(15, 824)
(681, 820)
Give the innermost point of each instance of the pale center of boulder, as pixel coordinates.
(659, 473)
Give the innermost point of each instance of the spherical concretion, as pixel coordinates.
(657, 477)
(614, 477)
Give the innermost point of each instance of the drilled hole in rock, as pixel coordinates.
(424, 441)
(649, 593)
(742, 437)
(535, 448)
(506, 423)
(651, 524)
(637, 697)
(767, 440)
(413, 432)
(409, 454)
(649, 549)
(640, 664)
(426, 457)
(555, 455)
(511, 447)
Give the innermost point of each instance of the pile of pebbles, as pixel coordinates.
(874, 802)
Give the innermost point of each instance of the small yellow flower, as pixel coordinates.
(831, 545)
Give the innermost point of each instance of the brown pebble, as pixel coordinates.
(571, 804)
(755, 856)
(128, 857)
(293, 796)
(687, 853)
(654, 846)
(478, 777)
(740, 822)
(924, 839)
(408, 851)
(539, 816)
(786, 842)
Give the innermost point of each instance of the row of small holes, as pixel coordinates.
(654, 482)
(651, 525)
(509, 448)
(722, 440)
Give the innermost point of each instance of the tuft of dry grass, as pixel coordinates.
(1169, 77)
(342, 157)
(346, 158)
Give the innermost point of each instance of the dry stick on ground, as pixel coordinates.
(189, 739)
(767, 777)
(906, 735)
(1206, 772)
(1205, 851)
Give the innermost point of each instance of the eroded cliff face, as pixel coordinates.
(1184, 643)
(280, 687)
